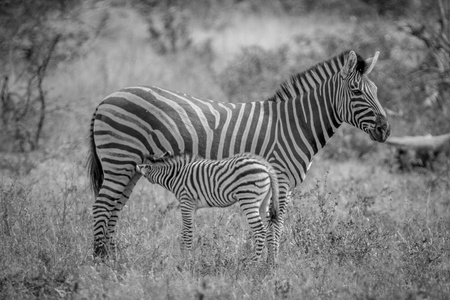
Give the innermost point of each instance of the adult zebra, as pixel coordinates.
(197, 182)
(287, 129)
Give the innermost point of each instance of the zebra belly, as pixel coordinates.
(203, 201)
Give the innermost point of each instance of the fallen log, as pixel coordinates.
(419, 151)
(426, 142)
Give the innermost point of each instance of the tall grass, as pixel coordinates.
(362, 239)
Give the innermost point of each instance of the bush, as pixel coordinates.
(168, 25)
(391, 8)
(254, 74)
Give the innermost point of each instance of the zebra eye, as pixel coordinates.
(357, 92)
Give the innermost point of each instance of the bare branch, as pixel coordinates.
(41, 98)
(4, 97)
(27, 100)
(443, 19)
(4, 88)
(444, 23)
(427, 142)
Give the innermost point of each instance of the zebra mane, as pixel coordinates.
(294, 83)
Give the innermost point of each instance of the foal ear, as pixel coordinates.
(370, 63)
(349, 65)
(155, 158)
(140, 169)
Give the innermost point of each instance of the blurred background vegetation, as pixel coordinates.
(59, 58)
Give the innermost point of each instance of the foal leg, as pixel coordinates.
(188, 208)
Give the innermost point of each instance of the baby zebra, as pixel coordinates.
(197, 182)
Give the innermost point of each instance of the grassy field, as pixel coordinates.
(356, 229)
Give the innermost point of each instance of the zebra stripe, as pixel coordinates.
(287, 129)
(196, 182)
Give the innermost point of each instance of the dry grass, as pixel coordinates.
(346, 236)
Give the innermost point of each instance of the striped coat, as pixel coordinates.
(246, 179)
(287, 129)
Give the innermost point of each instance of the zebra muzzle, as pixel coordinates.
(382, 129)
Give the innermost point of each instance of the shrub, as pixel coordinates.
(168, 25)
(254, 74)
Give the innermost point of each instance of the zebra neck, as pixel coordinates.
(306, 116)
(309, 116)
(167, 173)
(170, 171)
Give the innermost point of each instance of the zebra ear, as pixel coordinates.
(370, 63)
(155, 158)
(350, 64)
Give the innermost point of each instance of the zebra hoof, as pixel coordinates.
(100, 250)
(255, 258)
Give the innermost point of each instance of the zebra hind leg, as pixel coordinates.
(274, 231)
(251, 212)
(112, 222)
(275, 226)
(109, 193)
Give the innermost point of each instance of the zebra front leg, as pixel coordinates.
(188, 208)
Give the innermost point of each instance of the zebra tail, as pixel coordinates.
(95, 169)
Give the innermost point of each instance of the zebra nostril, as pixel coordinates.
(381, 128)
